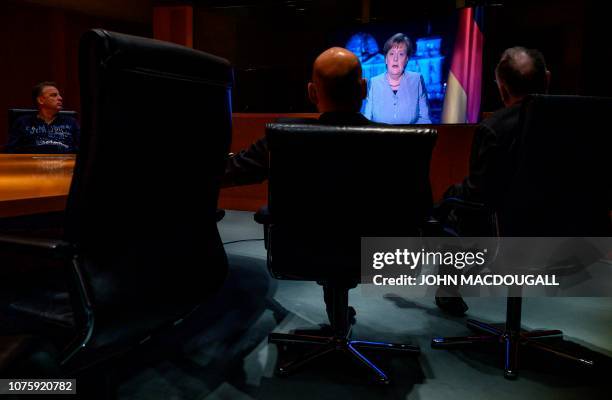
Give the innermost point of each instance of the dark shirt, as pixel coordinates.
(250, 165)
(30, 134)
(492, 165)
(492, 159)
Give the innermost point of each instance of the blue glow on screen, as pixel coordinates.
(426, 60)
(365, 47)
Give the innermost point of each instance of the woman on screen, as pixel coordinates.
(397, 96)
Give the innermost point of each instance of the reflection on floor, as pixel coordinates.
(229, 357)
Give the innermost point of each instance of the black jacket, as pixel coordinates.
(250, 165)
(492, 159)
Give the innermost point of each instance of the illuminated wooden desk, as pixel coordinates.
(34, 183)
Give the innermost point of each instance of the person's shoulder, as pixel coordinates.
(378, 78)
(66, 118)
(412, 76)
(503, 115)
(503, 121)
(368, 122)
(27, 119)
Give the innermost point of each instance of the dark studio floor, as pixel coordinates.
(229, 357)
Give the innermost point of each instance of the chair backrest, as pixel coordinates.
(14, 113)
(331, 185)
(563, 179)
(156, 128)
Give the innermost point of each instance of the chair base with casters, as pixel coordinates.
(338, 341)
(511, 337)
(534, 198)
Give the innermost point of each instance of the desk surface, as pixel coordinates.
(34, 183)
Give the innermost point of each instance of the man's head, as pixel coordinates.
(47, 97)
(337, 84)
(520, 72)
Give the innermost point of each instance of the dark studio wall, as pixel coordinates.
(571, 35)
(272, 48)
(272, 44)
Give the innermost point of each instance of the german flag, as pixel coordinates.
(463, 87)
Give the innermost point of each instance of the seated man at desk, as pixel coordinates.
(520, 72)
(46, 131)
(337, 89)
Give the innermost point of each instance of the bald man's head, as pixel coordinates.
(337, 84)
(520, 72)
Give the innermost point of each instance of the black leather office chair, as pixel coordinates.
(14, 113)
(329, 186)
(561, 188)
(141, 244)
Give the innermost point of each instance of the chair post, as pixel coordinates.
(513, 312)
(535, 200)
(512, 336)
(339, 309)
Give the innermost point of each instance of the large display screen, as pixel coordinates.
(434, 42)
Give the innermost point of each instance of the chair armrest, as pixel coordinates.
(459, 202)
(263, 216)
(220, 214)
(460, 217)
(45, 245)
(433, 228)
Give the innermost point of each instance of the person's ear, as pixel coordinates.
(40, 100)
(312, 93)
(503, 93)
(547, 81)
(364, 89)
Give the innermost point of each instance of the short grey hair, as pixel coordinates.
(522, 81)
